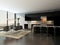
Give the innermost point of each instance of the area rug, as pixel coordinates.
(16, 35)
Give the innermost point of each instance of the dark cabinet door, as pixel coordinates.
(36, 29)
(51, 31)
(57, 31)
(25, 26)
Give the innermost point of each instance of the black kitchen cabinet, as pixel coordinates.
(36, 29)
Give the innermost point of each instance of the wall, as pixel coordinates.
(50, 16)
(3, 19)
(22, 20)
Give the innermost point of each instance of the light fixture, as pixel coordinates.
(43, 19)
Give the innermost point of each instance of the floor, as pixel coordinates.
(31, 39)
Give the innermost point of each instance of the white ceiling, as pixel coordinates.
(21, 6)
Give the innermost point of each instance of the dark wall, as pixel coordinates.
(54, 15)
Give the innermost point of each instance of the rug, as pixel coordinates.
(16, 35)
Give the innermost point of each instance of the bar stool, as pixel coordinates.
(57, 29)
(36, 29)
(51, 30)
(43, 29)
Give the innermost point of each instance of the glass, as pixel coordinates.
(3, 19)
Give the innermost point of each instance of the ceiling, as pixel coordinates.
(24, 6)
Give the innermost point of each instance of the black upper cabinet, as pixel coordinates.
(27, 18)
(50, 16)
(32, 18)
(57, 20)
(36, 16)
